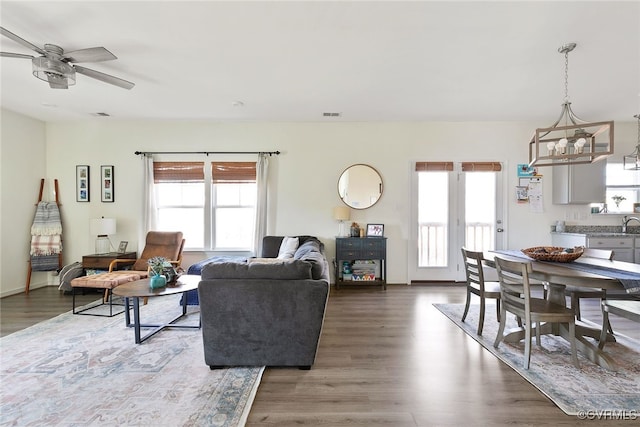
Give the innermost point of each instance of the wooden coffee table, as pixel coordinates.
(141, 289)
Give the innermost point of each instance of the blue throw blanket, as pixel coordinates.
(192, 296)
(45, 263)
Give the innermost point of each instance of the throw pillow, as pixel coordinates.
(288, 247)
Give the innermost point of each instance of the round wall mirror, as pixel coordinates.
(360, 186)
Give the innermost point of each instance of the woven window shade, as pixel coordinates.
(481, 167)
(434, 166)
(233, 172)
(178, 172)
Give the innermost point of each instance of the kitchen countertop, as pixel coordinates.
(598, 234)
(599, 231)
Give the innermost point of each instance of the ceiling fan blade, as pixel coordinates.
(104, 77)
(20, 40)
(92, 54)
(16, 55)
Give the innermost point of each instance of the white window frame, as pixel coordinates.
(208, 227)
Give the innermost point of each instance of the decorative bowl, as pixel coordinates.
(554, 253)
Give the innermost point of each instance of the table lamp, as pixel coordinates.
(102, 227)
(341, 213)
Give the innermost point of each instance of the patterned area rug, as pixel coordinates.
(86, 371)
(591, 388)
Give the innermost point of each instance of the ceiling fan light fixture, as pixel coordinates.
(589, 143)
(53, 71)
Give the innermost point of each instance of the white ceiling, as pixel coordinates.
(294, 60)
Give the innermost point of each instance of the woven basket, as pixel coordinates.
(553, 253)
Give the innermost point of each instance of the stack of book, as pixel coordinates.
(363, 270)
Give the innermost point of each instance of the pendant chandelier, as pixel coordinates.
(632, 161)
(570, 140)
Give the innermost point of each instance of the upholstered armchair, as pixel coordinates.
(167, 244)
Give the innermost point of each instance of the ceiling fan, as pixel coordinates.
(57, 66)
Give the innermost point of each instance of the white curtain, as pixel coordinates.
(150, 209)
(262, 181)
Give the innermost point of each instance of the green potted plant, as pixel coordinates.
(156, 268)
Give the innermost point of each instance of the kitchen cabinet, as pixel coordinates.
(625, 248)
(579, 184)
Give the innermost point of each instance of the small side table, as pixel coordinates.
(102, 261)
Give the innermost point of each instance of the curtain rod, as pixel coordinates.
(271, 153)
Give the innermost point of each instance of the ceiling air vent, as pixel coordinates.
(101, 114)
(332, 114)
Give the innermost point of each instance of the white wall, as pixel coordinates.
(304, 176)
(22, 165)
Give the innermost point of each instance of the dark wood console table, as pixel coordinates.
(361, 249)
(102, 261)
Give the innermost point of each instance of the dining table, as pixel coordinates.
(585, 272)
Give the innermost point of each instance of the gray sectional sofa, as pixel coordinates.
(265, 311)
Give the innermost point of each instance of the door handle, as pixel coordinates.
(499, 230)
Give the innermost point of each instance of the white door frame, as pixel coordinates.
(454, 270)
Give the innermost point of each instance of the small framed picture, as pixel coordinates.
(636, 209)
(106, 184)
(375, 230)
(82, 183)
(122, 248)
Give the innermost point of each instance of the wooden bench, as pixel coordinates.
(106, 281)
(629, 309)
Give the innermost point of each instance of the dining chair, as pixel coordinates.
(626, 309)
(476, 285)
(515, 295)
(575, 293)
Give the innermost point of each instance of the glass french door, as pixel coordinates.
(453, 205)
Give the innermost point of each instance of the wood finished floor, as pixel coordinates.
(385, 359)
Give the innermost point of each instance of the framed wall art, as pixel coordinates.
(82, 183)
(106, 184)
(375, 230)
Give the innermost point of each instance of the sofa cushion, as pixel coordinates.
(288, 247)
(268, 260)
(285, 270)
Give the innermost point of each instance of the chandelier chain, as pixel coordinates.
(566, 76)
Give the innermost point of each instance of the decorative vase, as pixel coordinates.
(158, 281)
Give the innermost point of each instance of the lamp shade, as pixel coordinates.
(102, 226)
(341, 213)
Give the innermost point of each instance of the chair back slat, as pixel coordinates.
(473, 267)
(515, 289)
(598, 253)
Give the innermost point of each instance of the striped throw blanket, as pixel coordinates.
(45, 245)
(47, 220)
(45, 263)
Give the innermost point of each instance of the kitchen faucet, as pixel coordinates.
(625, 221)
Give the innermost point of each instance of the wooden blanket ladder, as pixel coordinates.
(29, 269)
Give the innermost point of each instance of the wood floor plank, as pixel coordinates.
(385, 359)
